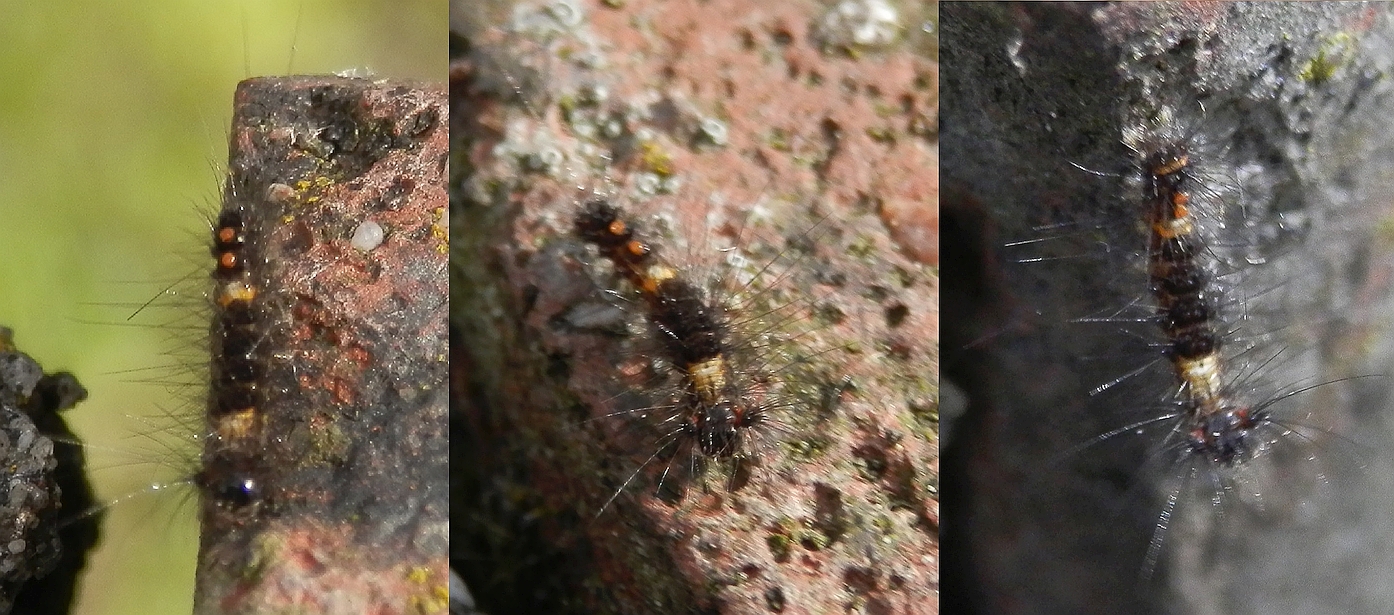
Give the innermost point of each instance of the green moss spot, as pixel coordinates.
(780, 545)
(1334, 53)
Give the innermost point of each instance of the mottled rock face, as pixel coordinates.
(1185, 351)
(327, 454)
(47, 495)
(769, 169)
(94, 254)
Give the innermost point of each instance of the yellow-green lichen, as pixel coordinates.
(328, 444)
(883, 524)
(434, 596)
(779, 140)
(311, 191)
(885, 109)
(905, 277)
(781, 542)
(1384, 230)
(813, 539)
(806, 450)
(881, 134)
(656, 160)
(788, 532)
(861, 247)
(265, 552)
(568, 105)
(439, 230)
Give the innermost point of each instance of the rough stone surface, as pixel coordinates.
(740, 132)
(353, 460)
(46, 524)
(1286, 106)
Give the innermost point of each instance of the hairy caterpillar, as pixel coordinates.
(1065, 255)
(151, 166)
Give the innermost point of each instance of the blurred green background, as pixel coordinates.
(113, 119)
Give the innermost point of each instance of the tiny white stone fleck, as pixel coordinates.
(714, 130)
(367, 236)
(860, 23)
(279, 193)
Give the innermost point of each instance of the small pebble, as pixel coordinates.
(367, 236)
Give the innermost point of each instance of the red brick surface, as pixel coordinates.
(827, 147)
